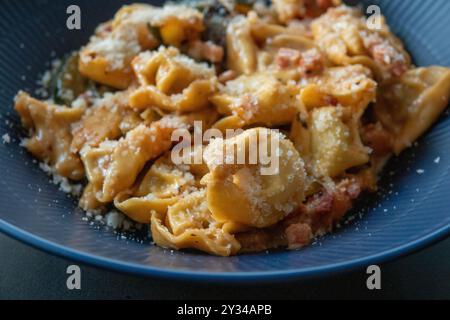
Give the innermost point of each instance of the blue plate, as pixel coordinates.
(411, 212)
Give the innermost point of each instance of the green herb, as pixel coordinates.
(67, 83)
(67, 79)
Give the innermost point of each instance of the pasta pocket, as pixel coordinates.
(50, 134)
(241, 50)
(344, 35)
(335, 142)
(257, 99)
(255, 45)
(240, 193)
(136, 28)
(350, 86)
(121, 162)
(132, 152)
(172, 82)
(163, 185)
(189, 224)
(97, 161)
(89, 202)
(410, 105)
(107, 119)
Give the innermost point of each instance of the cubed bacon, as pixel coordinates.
(308, 62)
(311, 61)
(385, 54)
(331, 101)
(287, 58)
(320, 203)
(298, 235)
(206, 51)
(329, 207)
(346, 191)
(213, 52)
(353, 190)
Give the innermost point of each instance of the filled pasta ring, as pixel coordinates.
(96, 161)
(259, 99)
(242, 193)
(132, 153)
(335, 143)
(116, 168)
(189, 224)
(107, 119)
(136, 28)
(241, 49)
(344, 35)
(161, 187)
(255, 45)
(172, 82)
(408, 106)
(349, 86)
(51, 137)
(172, 25)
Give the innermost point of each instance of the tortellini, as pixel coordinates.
(189, 224)
(107, 57)
(125, 161)
(172, 82)
(343, 33)
(350, 86)
(335, 142)
(241, 193)
(409, 106)
(51, 137)
(241, 48)
(258, 46)
(97, 161)
(163, 185)
(107, 119)
(257, 99)
(133, 152)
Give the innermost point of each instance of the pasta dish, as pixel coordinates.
(336, 95)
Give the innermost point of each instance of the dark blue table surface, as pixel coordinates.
(27, 273)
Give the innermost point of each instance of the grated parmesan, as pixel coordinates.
(6, 138)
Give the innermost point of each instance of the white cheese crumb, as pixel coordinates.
(64, 184)
(114, 219)
(6, 138)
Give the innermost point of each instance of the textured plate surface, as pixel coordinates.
(411, 213)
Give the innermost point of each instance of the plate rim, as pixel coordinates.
(121, 266)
